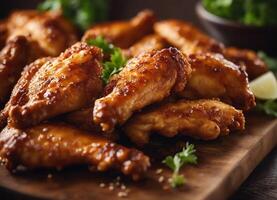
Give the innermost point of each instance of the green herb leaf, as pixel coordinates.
(102, 44)
(250, 12)
(269, 107)
(186, 156)
(82, 13)
(177, 180)
(271, 62)
(117, 60)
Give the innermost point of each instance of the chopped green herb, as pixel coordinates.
(82, 13)
(270, 61)
(102, 44)
(186, 156)
(269, 107)
(250, 12)
(117, 60)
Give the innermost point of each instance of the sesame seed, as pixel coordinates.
(102, 185)
(123, 187)
(158, 171)
(111, 187)
(122, 194)
(161, 179)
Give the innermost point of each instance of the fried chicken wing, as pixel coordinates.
(12, 60)
(192, 41)
(214, 77)
(3, 33)
(146, 44)
(59, 145)
(201, 119)
(186, 37)
(26, 75)
(146, 79)
(49, 30)
(248, 59)
(64, 84)
(124, 33)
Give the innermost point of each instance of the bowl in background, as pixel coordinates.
(233, 33)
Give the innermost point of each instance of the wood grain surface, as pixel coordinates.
(223, 165)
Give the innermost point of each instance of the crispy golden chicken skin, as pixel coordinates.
(26, 75)
(13, 58)
(146, 79)
(64, 84)
(146, 44)
(248, 59)
(52, 33)
(3, 33)
(215, 77)
(186, 37)
(17, 53)
(201, 119)
(124, 33)
(192, 41)
(59, 145)
(82, 119)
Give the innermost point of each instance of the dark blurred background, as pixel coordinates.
(183, 9)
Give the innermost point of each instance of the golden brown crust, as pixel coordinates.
(146, 44)
(123, 33)
(60, 145)
(215, 77)
(3, 33)
(13, 58)
(64, 84)
(186, 37)
(247, 59)
(146, 79)
(49, 30)
(27, 73)
(201, 119)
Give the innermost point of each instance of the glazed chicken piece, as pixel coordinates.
(82, 119)
(124, 33)
(146, 44)
(49, 30)
(192, 41)
(60, 145)
(248, 59)
(64, 84)
(215, 77)
(3, 33)
(201, 119)
(17, 53)
(186, 37)
(26, 75)
(12, 60)
(146, 79)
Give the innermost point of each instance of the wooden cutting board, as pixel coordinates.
(223, 165)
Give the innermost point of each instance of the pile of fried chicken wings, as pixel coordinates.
(57, 111)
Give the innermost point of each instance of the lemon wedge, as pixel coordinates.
(265, 86)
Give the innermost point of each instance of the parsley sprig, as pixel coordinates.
(83, 13)
(250, 12)
(186, 156)
(116, 62)
(270, 61)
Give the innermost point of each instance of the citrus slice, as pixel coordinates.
(265, 86)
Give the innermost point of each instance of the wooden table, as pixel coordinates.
(260, 185)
